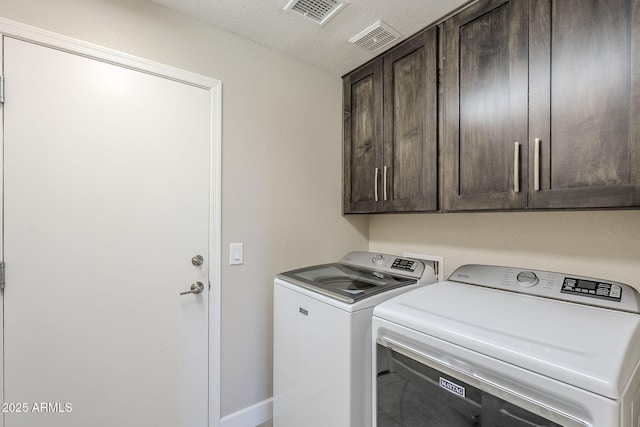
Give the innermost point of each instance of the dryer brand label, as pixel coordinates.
(452, 387)
(303, 311)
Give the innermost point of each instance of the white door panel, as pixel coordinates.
(106, 200)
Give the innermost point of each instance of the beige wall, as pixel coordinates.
(281, 160)
(604, 244)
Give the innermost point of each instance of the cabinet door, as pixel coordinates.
(485, 104)
(585, 103)
(362, 101)
(410, 170)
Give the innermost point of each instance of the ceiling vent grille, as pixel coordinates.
(319, 11)
(376, 37)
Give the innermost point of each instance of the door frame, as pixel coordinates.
(60, 42)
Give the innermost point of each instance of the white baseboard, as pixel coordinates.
(250, 416)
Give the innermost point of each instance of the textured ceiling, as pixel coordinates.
(327, 47)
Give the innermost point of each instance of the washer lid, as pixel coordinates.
(596, 349)
(345, 283)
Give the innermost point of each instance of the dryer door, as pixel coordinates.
(412, 394)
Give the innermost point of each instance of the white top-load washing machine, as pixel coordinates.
(500, 346)
(322, 336)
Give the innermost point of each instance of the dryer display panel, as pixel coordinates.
(591, 288)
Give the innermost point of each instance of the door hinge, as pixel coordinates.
(2, 275)
(1, 89)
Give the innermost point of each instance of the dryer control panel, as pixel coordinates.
(592, 288)
(565, 287)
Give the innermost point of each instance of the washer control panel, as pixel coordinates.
(392, 265)
(377, 259)
(404, 264)
(564, 287)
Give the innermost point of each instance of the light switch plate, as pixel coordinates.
(236, 253)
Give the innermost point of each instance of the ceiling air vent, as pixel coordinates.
(319, 11)
(376, 37)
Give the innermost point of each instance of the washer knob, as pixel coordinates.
(527, 279)
(377, 259)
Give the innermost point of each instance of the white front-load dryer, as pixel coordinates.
(322, 336)
(507, 346)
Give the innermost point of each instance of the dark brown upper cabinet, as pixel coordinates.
(485, 107)
(584, 107)
(362, 139)
(542, 105)
(539, 108)
(390, 130)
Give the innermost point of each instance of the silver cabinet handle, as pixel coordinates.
(516, 168)
(196, 288)
(384, 183)
(197, 260)
(375, 184)
(536, 165)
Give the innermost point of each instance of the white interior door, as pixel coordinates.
(106, 201)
